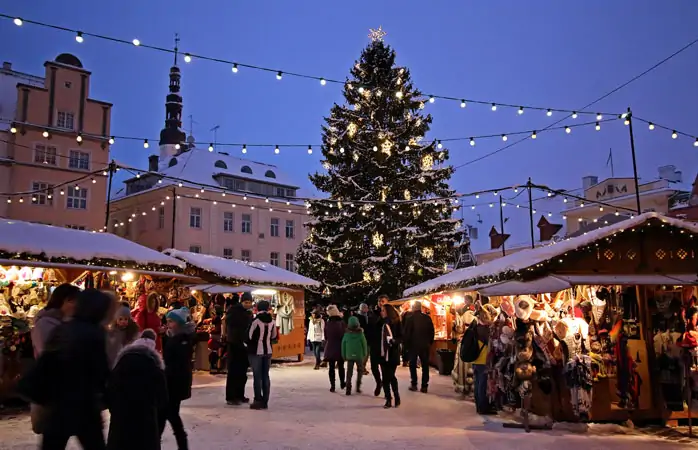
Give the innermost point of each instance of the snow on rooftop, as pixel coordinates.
(56, 243)
(527, 258)
(242, 272)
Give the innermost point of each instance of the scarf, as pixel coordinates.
(386, 339)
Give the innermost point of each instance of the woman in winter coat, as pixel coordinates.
(69, 379)
(122, 332)
(146, 315)
(334, 333)
(177, 354)
(60, 307)
(391, 336)
(316, 334)
(137, 396)
(354, 351)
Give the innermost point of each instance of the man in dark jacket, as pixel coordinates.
(70, 377)
(137, 394)
(177, 354)
(237, 322)
(372, 331)
(419, 335)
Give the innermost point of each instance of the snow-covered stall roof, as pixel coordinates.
(515, 262)
(50, 246)
(240, 272)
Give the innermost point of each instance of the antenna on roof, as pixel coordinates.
(215, 134)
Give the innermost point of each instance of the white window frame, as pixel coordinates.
(274, 259)
(161, 218)
(290, 229)
(274, 227)
(228, 253)
(290, 262)
(246, 224)
(65, 120)
(74, 196)
(228, 222)
(194, 249)
(42, 156)
(246, 255)
(79, 160)
(195, 214)
(42, 197)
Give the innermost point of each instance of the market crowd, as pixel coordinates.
(94, 353)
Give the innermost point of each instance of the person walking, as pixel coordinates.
(362, 315)
(262, 336)
(237, 321)
(419, 335)
(390, 337)
(372, 332)
(177, 354)
(482, 403)
(354, 352)
(137, 396)
(122, 332)
(146, 315)
(405, 352)
(60, 306)
(69, 378)
(316, 335)
(334, 332)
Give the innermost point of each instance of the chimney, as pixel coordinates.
(6, 65)
(670, 174)
(153, 163)
(497, 239)
(589, 181)
(547, 230)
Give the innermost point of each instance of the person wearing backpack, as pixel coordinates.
(474, 349)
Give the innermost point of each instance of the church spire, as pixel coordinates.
(172, 133)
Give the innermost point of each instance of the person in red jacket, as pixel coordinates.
(146, 316)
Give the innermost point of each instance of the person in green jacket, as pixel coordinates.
(354, 351)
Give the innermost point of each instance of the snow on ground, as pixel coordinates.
(303, 414)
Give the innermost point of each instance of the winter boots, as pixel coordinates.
(349, 389)
(377, 390)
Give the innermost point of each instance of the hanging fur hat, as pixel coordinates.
(524, 307)
(507, 335)
(561, 329)
(507, 306)
(539, 315)
(488, 314)
(468, 317)
(525, 371)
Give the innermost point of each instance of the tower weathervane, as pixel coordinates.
(377, 34)
(176, 47)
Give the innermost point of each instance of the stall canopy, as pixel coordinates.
(25, 243)
(232, 271)
(504, 269)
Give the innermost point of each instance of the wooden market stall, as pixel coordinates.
(284, 290)
(629, 291)
(35, 258)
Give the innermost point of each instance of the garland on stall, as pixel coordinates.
(25, 257)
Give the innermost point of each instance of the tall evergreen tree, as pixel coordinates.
(386, 222)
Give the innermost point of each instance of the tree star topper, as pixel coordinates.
(376, 35)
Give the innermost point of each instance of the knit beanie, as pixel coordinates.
(333, 311)
(180, 316)
(353, 323)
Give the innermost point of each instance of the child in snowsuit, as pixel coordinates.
(354, 351)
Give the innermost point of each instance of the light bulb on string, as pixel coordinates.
(472, 142)
(244, 148)
(534, 135)
(18, 21)
(276, 150)
(136, 42)
(598, 126)
(323, 81)
(432, 99)
(279, 75)
(177, 146)
(695, 144)
(235, 68)
(45, 134)
(13, 129)
(627, 121)
(599, 116)
(187, 58)
(504, 137)
(463, 104)
(310, 149)
(494, 106)
(568, 130)
(145, 144)
(549, 113)
(79, 138)
(521, 110)
(210, 147)
(93, 180)
(439, 145)
(111, 140)
(624, 115)
(674, 134)
(651, 126)
(78, 38)
(574, 114)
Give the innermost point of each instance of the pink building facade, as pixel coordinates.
(57, 146)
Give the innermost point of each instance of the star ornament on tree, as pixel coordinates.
(377, 34)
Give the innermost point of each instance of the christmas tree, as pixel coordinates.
(386, 222)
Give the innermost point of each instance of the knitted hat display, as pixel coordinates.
(524, 307)
(180, 316)
(333, 311)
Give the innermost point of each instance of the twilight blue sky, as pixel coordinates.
(539, 52)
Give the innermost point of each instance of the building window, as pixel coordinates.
(274, 259)
(77, 198)
(75, 227)
(246, 223)
(79, 160)
(45, 196)
(65, 120)
(290, 234)
(228, 222)
(195, 248)
(274, 231)
(245, 255)
(220, 164)
(195, 217)
(227, 253)
(246, 169)
(161, 218)
(290, 262)
(45, 154)
(270, 174)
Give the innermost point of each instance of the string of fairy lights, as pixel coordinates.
(236, 66)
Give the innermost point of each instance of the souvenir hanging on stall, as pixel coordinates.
(284, 313)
